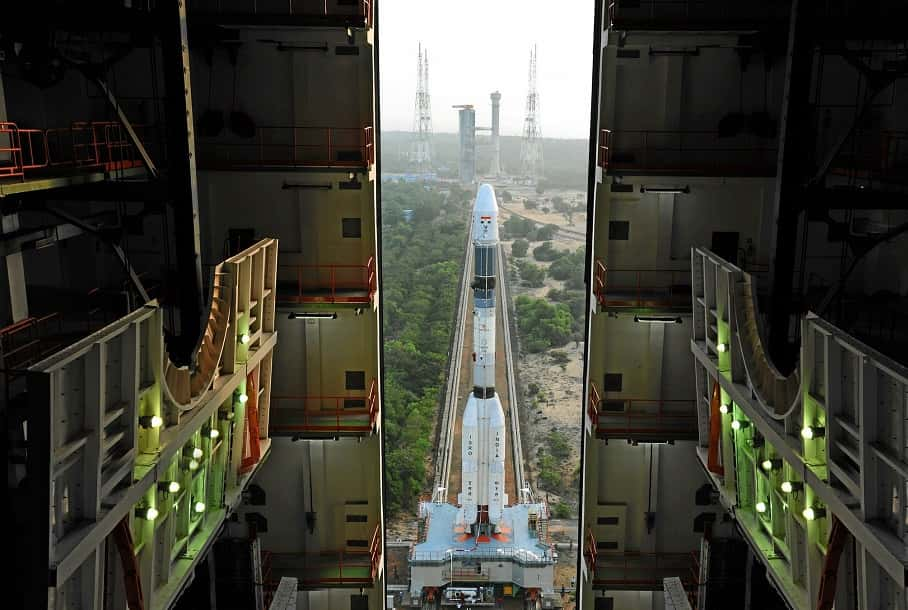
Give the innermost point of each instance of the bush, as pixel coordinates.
(568, 265)
(541, 324)
(561, 510)
(533, 388)
(549, 474)
(506, 196)
(547, 232)
(545, 252)
(519, 248)
(531, 275)
(530, 204)
(560, 358)
(558, 445)
(515, 226)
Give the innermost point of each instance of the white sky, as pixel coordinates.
(478, 46)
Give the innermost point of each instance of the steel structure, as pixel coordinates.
(531, 163)
(495, 167)
(805, 462)
(421, 147)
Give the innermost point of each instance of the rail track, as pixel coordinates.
(453, 396)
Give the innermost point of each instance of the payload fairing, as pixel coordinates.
(483, 496)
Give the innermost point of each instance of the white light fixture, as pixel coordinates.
(791, 486)
(675, 190)
(244, 338)
(170, 487)
(214, 433)
(761, 507)
(721, 347)
(658, 319)
(810, 513)
(151, 421)
(193, 465)
(149, 513)
(812, 432)
(197, 453)
(312, 315)
(723, 409)
(199, 507)
(243, 398)
(771, 464)
(739, 424)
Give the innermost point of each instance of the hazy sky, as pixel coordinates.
(476, 47)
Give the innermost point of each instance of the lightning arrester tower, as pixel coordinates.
(421, 149)
(531, 147)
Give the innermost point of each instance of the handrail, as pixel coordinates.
(643, 569)
(375, 550)
(322, 283)
(685, 151)
(641, 291)
(662, 419)
(369, 138)
(289, 146)
(87, 144)
(316, 418)
(592, 408)
(591, 552)
(364, 10)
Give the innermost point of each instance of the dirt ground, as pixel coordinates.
(561, 407)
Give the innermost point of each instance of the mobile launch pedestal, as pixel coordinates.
(482, 550)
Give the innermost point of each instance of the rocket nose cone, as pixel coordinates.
(485, 200)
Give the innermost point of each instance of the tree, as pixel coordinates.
(530, 204)
(541, 324)
(517, 226)
(506, 196)
(519, 248)
(545, 252)
(540, 189)
(547, 232)
(531, 275)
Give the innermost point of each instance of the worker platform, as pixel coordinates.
(518, 560)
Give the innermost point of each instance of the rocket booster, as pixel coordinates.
(483, 435)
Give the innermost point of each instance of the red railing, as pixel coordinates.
(592, 406)
(874, 155)
(330, 567)
(686, 152)
(91, 145)
(329, 283)
(590, 552)
(290, 8)
(633, 571)
(369, 136)
(605, 137)
(647, 416)
(289, 146)
(642, 288)
(325, 414)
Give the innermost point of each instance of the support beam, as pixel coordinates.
(818, 199)
(793, 150)
(181, 173)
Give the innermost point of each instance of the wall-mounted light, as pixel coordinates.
(225, 415)
(244, 338)
(149, 513)
(214, 433)
(791, 486)
(243, 398)
(151, 421)
(810, 513)
(723, 409)
(171, 487)
(197, 453)
(193, 465)
(349, 33)
(739, 424)
(812, 432)
(722, 347)
(199, 507)
(312, 315)
(658, 319)
(771, 464)
(761, 507)
(668, 190)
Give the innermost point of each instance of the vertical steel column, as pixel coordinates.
(794, 147)
(181, 172)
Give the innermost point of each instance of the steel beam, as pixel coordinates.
(181, 174)
(793, 150)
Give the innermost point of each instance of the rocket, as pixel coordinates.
(482, 495)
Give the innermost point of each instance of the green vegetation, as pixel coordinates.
(531, 275)
(568, 264)
(549, 473)
(519, 248)
(558, 445)
(543, 325)
(576, 303)
(422, 264)
(545, 252)
(517, 226)
(546, 232)
(561, 510)
(560, 358)
(530, 204)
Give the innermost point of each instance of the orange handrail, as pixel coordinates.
(592, 407)
(251, 447)
(320, 283)
(369, 138)
(314, 414)
(642, 288)
(667, 416)
(590, 553)
(290, 146)
(605, 136)
(632, 568)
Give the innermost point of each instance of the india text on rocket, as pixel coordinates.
(483, 440)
